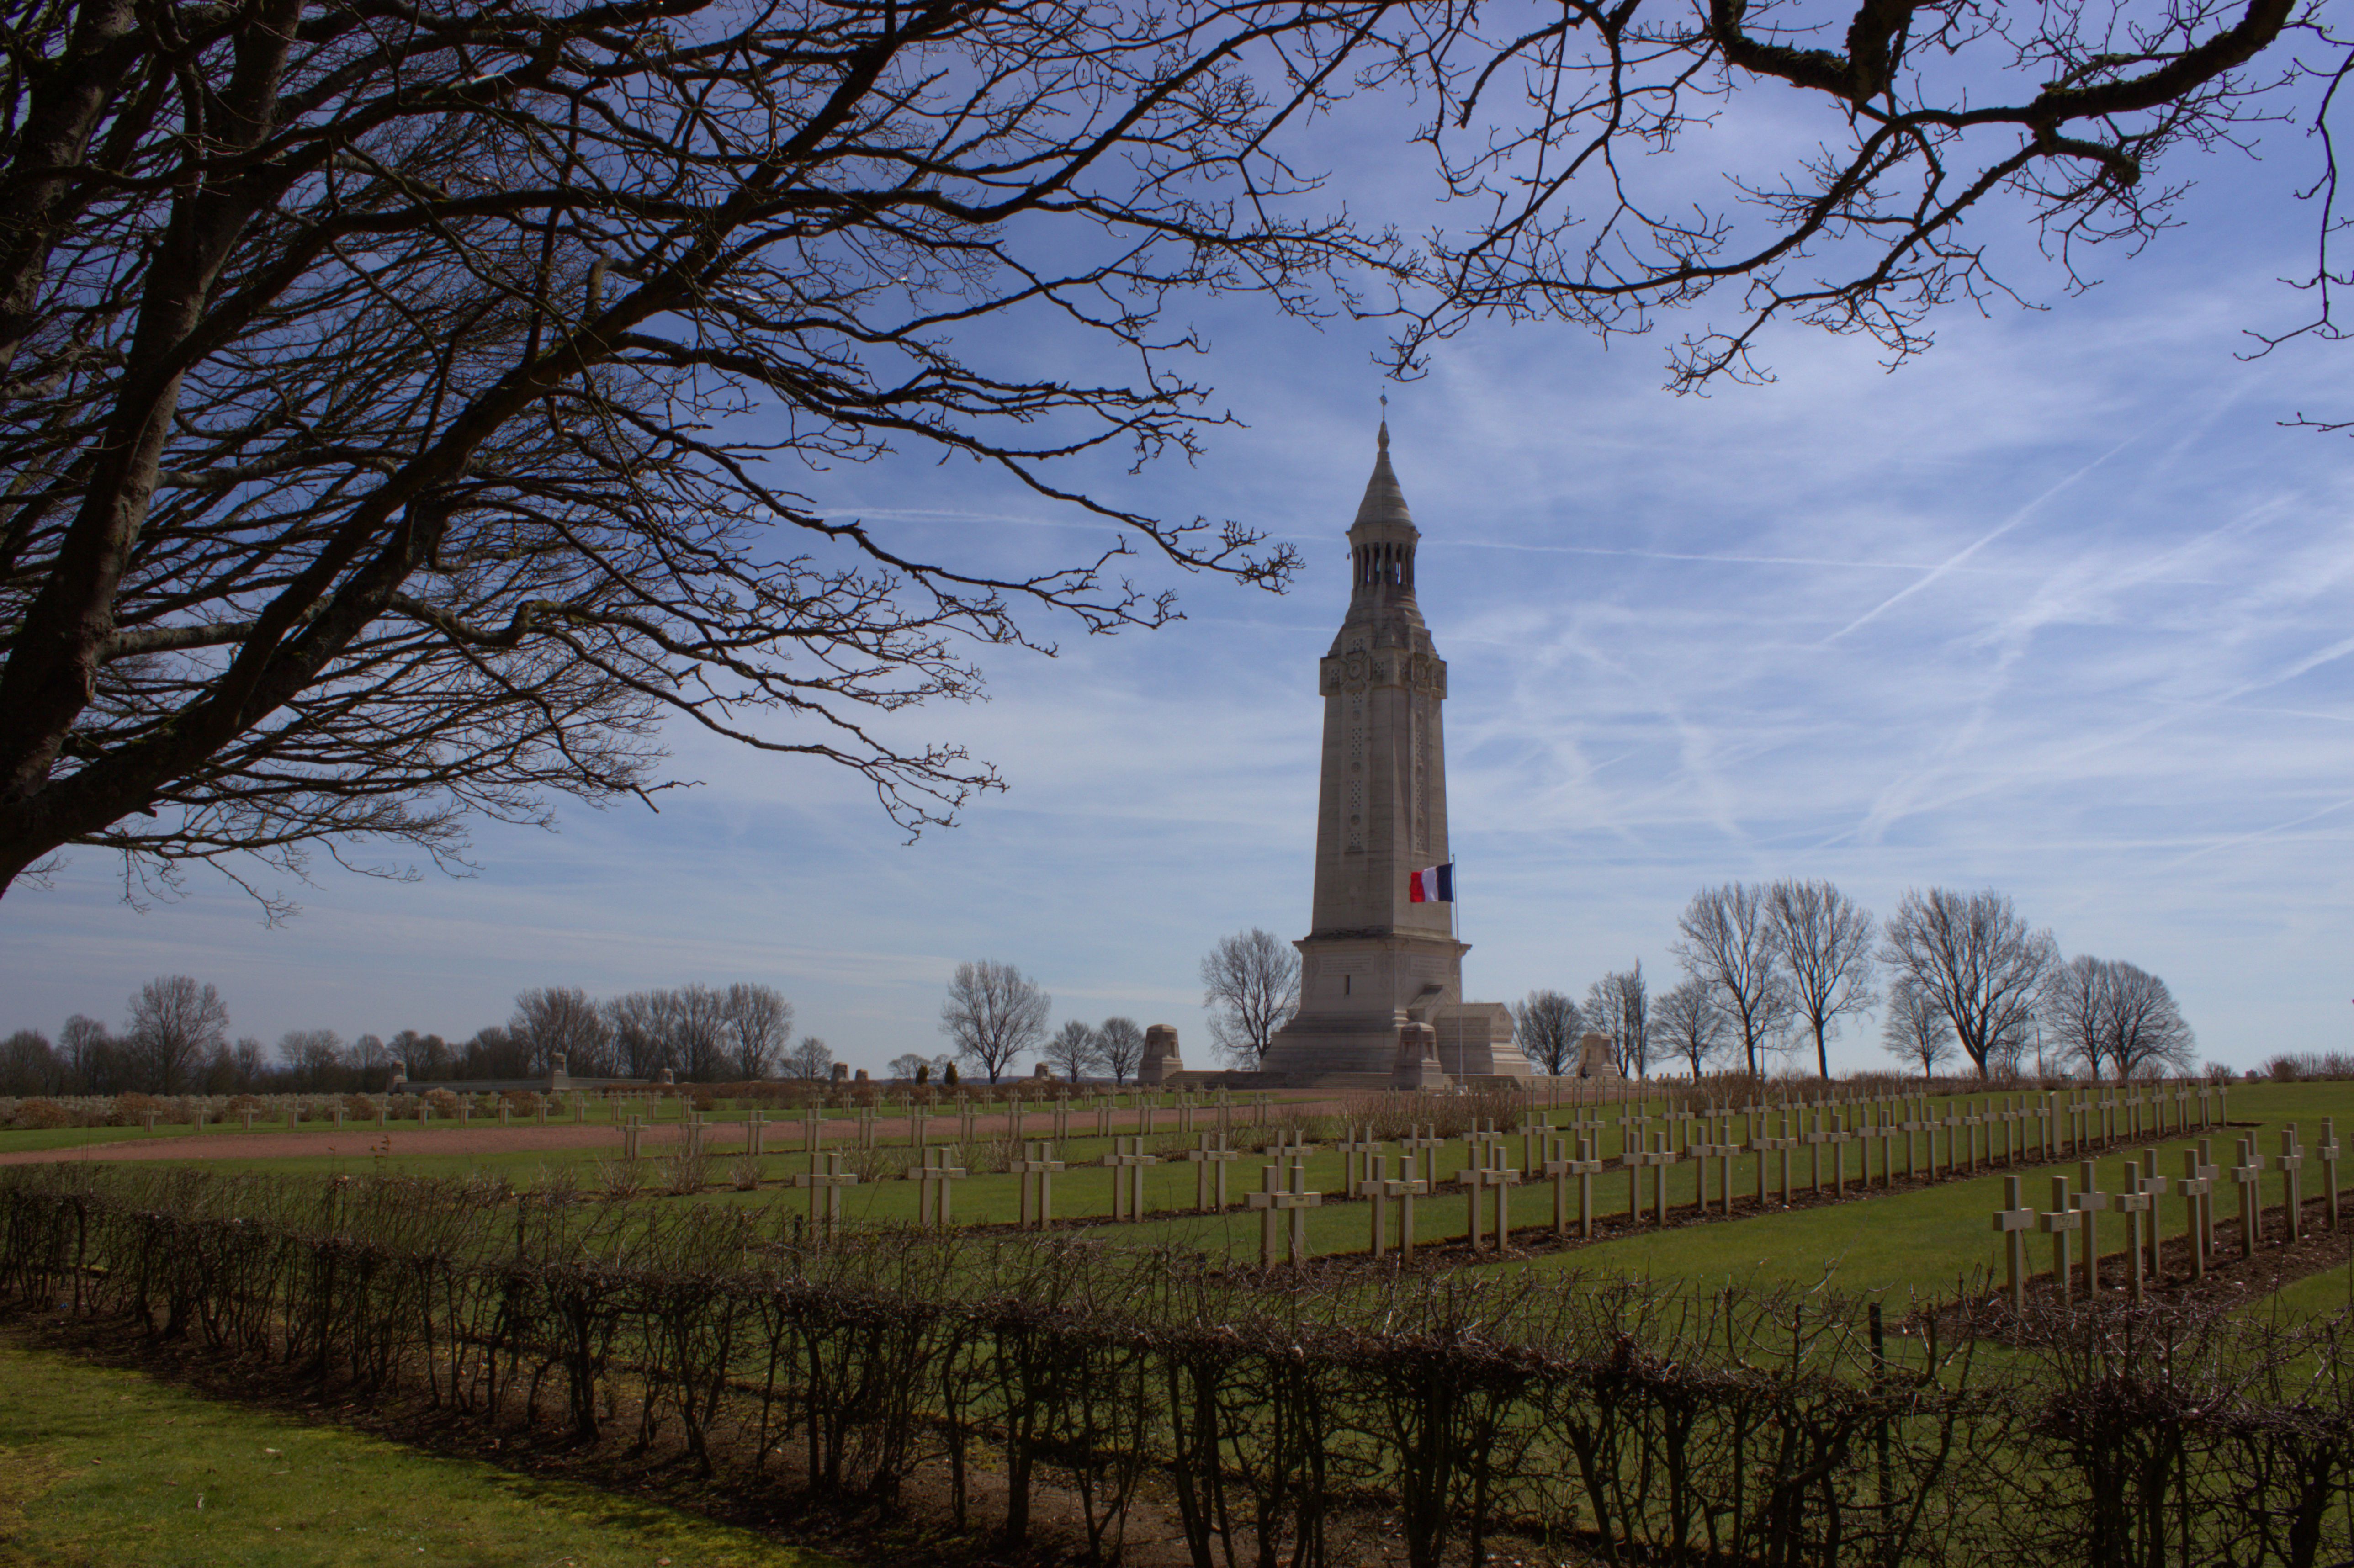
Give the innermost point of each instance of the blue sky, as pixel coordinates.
(2059, 609)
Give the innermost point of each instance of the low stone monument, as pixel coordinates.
(1417, 1065)
(1042, 1071)
(1161, 1058)
(1594, 1057)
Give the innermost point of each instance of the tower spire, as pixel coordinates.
(1384, 503)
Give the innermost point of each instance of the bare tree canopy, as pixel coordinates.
(378, 387)
(29, 1065)
(812, 1061)
(1250, 984)
(1727, 942)
(1619, 1006)
(1981, 963)
(1121, 1045)
(1689, 1023)
(1548, 1024)
(563, 1021)
(1915, 1029)
(1075, 1051)
(176, 1021)
(993, 1013)
(760, 1021)
(1912, 121)
(687, 1030)
(1823, 939)
(2102, 1011)
(313, 1057)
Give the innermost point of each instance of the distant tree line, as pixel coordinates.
(175, 1040)
(1772, 970)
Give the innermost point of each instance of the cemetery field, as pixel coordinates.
(1915, 1239)
(1926, 1240)
(102, 1467)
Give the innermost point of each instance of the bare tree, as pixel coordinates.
(2147, 1032)
(424, 1058)
(1250, 985)
(642, 1033)
(29, 1065)
(2073, 1004)
(314, 1057)
(1121, 1044)
(993, 1013)
(372, 1060)
(1823, 939)
(2103, 1011)
(700, 1034)
(810, 1061)
(760, 1022)
(1548, 1024)
(93, 1058)
(1690, 1024)
(175, 1020)
(1979, 959)
(1076, 1052)
(1915, 122)
(495, 1053)
(563, 1021)
(1915, 1029)
(1619, 1006)
(1727, 941)
(509, 274)
(910, 1067)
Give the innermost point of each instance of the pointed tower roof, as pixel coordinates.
(1384, 508)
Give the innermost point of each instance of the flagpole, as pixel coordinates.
(1453, 936)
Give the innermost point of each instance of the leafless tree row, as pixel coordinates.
(175, 1040)
(1775, 967)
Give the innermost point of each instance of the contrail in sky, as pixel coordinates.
(1963, 554)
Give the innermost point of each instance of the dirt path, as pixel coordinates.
(362, 1140)
(352, 1142)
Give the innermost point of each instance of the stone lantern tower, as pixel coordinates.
(1374, 962)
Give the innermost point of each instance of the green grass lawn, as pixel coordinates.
(101, 1466)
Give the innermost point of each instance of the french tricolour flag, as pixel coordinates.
(1432, 884)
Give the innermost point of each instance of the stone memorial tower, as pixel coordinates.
(1376, 969)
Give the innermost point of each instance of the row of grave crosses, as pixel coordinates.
(1486, 1180)
(1127, 1161)
(1999, 1129)
(1189, 1108)
(2140, 1188)
(2107, 1113)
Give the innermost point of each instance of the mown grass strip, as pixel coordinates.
(106, 1468)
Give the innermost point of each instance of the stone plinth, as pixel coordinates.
(1161, 1058)
(1417, 1065)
